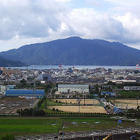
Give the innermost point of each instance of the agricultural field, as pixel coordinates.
(127, 103)
(81, 109)
(30, 126)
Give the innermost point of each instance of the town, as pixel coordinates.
(70, 92)
(70, 83)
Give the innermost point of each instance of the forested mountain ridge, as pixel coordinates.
(75, 51)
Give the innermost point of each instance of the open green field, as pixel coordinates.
(19, 126)
(81, 124)
(25, 126)
(129, 94)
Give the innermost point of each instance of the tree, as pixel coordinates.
(23, 82)
(19, 111)
(33, 112)
(97, 90)
(7, 137)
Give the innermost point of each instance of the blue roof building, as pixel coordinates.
(24, 93)
(117, 111)
(108, 93)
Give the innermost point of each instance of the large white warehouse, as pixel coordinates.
(73, 88)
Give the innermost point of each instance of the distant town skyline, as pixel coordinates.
(33, 21)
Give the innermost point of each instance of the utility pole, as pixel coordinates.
(84, 99)
(137, 101)
(79, 100)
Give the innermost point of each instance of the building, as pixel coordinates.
(117, 111)
(3, 88)
(9, 71)
(135, 88)
(44, 77)
(108, 93)
(24, 93)
(122, 81)
(73, 88)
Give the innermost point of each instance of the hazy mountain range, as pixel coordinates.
(75, 51)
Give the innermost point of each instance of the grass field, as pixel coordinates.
(28, 126)
(129, 94)
(23, 126)
(51, 103)
(81, 109)
(127, 103)
(81, 124)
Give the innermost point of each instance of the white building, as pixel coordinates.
(73, 88)
(44, 77)
(3, 88)
(132, 88)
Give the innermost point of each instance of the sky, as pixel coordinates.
(32, 21)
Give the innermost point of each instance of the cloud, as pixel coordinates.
(131, 24)
(63, 0)
(30, 21)
(88, 23)
(31, 18)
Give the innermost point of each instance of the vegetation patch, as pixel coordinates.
(129, 94)
(26, 126)
(81, 124)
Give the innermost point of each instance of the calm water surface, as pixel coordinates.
(41, 67)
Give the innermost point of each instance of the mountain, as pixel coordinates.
(9, 63)
(75, 51)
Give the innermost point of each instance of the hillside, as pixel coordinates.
(75, 51)
(8, 63)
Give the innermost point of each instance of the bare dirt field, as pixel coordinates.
(82, 109)
(10, 105)
(75, 101)
(127, 104)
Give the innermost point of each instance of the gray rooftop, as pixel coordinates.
(73, 86)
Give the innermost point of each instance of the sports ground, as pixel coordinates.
(127, 103)
(81, 109)
(82, 101)
(79, 105)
